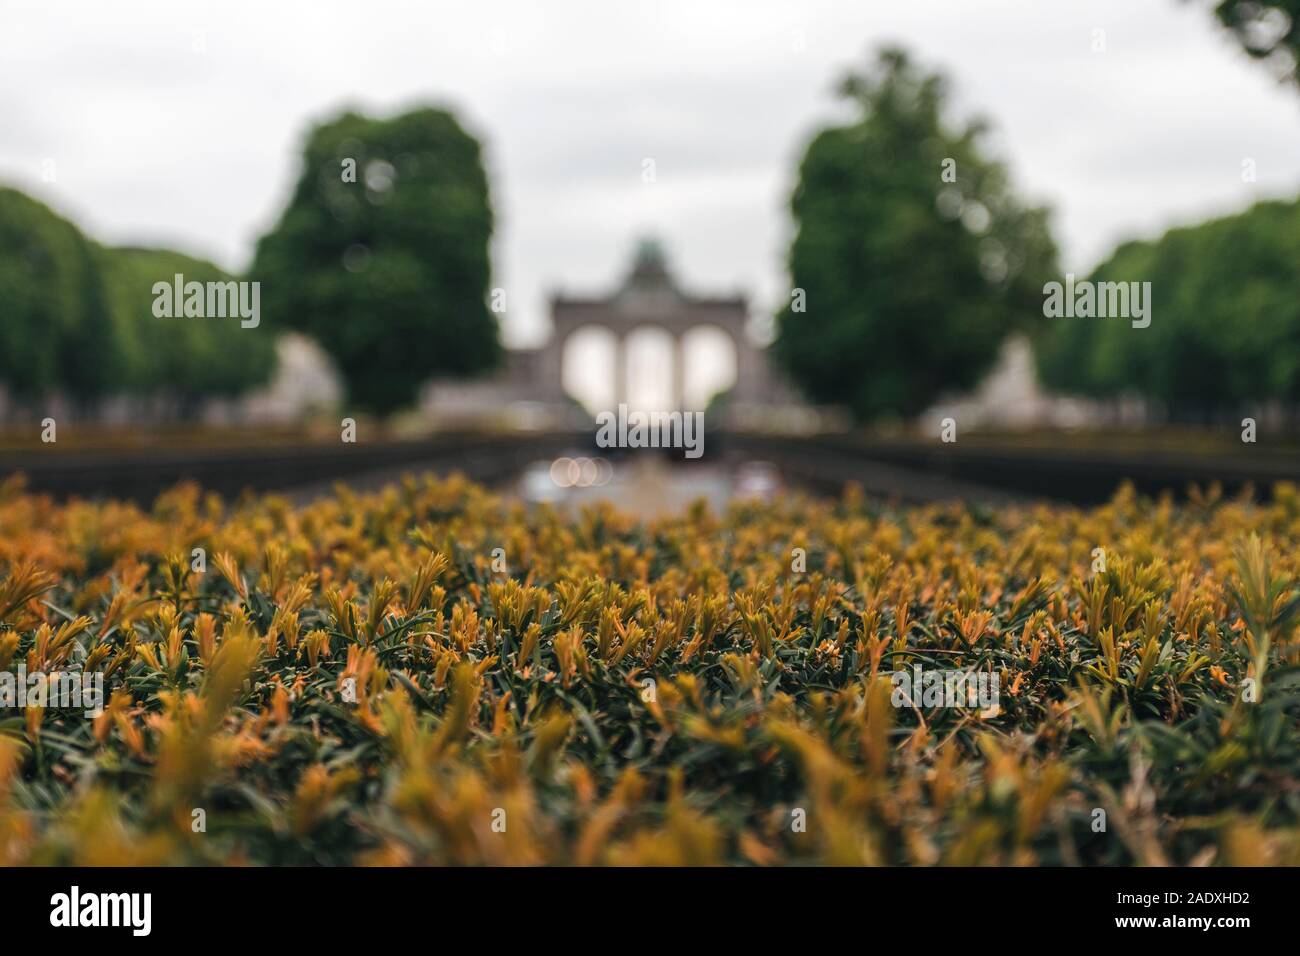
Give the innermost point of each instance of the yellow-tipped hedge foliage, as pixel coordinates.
(430, 675)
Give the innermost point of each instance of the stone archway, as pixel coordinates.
(650, 298)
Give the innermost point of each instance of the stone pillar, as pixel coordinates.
(620, 368)
(677, 401)
(751, 377)
(550, 368)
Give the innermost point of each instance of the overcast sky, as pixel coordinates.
(178, 123)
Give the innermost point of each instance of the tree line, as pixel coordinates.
(78, 319)
(1225, 331)
(912, 260)
(381, 255)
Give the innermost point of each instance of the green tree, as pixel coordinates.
(1225, 320)
(190, 358)
(1093, 357)
(55, 330)
(911, 257)
(388, 269)
(1268, 30)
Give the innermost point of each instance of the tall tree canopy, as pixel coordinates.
(912, 258)
(1268, 30)
(1225, 319)
(383, 254)
(187, 357)
(55, 329)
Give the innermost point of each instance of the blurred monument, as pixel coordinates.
(530, 389)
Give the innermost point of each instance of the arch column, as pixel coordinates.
(551, 366)
(677, 401)
(750, 370)
(620, 367)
